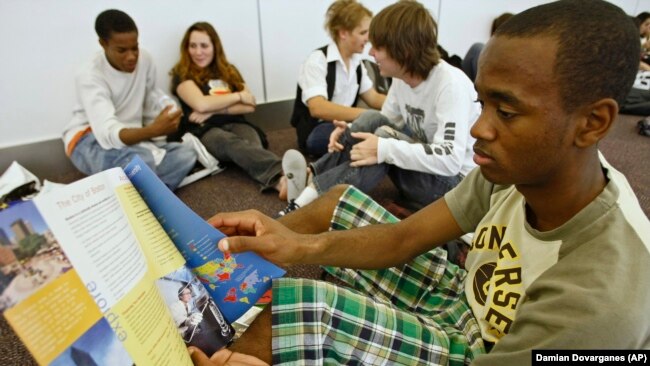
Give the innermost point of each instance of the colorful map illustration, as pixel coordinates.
(221, 272)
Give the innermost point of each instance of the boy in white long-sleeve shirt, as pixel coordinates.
(421, 136)
(119, 111)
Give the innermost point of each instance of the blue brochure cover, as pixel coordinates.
(235, 282)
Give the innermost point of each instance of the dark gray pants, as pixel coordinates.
(240, 144)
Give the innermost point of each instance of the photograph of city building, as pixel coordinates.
(30, 256)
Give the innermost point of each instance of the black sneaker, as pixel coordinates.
(292, 206)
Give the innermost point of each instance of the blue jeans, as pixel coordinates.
(319, 138)
(418, 189)
(239, 143)
(90, 158)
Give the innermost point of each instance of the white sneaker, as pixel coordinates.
(294, 167)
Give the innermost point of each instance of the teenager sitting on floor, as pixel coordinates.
(214, 99)
(118, 113)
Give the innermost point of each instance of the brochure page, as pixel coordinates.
(43, 298)
(94, 231)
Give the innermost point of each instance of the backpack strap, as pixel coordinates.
(330, 78)
(356, 98)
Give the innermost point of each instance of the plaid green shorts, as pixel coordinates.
(415, 314)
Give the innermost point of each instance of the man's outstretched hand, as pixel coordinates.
(253, 231)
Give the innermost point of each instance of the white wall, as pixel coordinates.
(45, 42)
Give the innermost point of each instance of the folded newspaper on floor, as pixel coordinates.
(115, 270)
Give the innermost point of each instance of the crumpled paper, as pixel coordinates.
(17, 184)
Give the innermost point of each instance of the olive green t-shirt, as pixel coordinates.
(585, 284)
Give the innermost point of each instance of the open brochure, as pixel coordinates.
(115, 270)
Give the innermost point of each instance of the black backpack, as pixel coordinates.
(301, 119)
